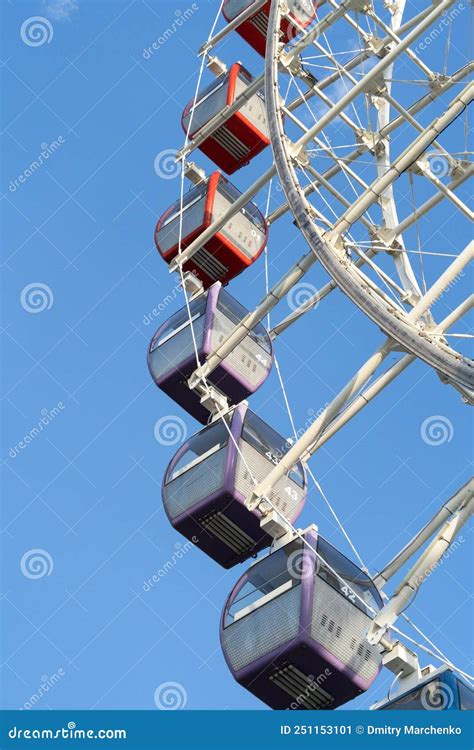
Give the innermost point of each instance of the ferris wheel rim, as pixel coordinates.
(449, 364)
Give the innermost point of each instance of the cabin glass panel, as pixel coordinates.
(234, 8)
(413, 701)
(266, 611)
(211, 101)
(173, 343)
(466, 697)
(193, 213)
(246, 230)
(265, 581)
(200, 447)
(199, 472)
(302, 10)
(355, 584)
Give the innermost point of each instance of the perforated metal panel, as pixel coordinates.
(340, 628)
(195, 485)
(243, 359)
(286, 495)
(253, 109)
(261, 631)
(240, 230)
(173, 352)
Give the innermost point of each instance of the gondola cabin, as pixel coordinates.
(209, 478)
(438, 690)
(255, 28)
(235, 142)
(210, 319)
(228, 252)
(293, 630)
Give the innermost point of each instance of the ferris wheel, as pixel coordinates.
(360, 119)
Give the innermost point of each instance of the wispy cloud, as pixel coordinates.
(60, 10)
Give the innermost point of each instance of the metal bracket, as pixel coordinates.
(216, 66)
(212, 399)
(274, 525)
(378, 46)
(401, 661)
(372, 140)
(194, 173)
(192, 284)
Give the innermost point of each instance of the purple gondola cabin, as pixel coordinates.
(293, 632)
(211, 475)
(172, 357)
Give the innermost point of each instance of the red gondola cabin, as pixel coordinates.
(238, 244)
(240, 138)
(254, 30)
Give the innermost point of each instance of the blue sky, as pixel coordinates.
(86, 490)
